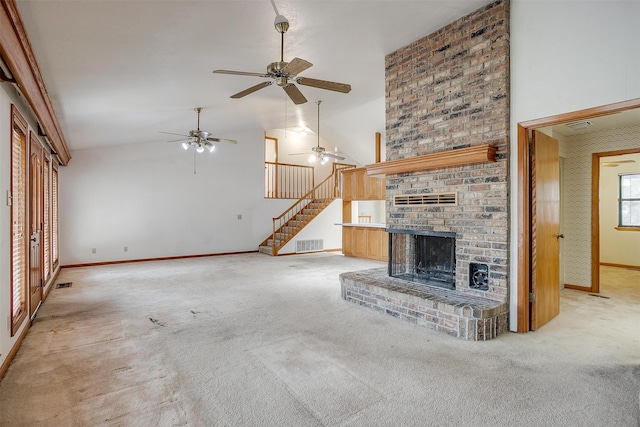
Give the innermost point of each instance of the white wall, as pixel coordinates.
(616, 247)
(567, 56)
(147, 197)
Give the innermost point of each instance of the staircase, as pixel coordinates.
(303, 211)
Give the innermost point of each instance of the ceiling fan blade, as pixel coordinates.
(296, 66)
(324, 84)
(241, 73)
(251, 89)
(228, 141)
(294, 93)
(335, 156)
(178, 140)
(178, 134)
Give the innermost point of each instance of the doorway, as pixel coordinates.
(524, 184)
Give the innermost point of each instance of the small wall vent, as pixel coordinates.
(303, 246)
(428, 199)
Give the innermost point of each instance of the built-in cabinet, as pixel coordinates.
(363, 232)
(356, 185)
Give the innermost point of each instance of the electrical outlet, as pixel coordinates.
(126, 248)
(93, 250)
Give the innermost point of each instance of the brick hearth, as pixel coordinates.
(462, 316)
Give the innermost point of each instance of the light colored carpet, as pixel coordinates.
(251, 340)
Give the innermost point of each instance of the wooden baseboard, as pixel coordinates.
(578, 288)
(14, 350)
(126, 261)
(609, 264)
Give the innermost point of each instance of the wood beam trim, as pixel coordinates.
(19, 57)
(457, 157)
(587, 113)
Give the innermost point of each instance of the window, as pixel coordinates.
(54, 216)
(46, 220)
(18, 220)
(629, 201)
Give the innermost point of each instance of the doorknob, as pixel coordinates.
(560, 236)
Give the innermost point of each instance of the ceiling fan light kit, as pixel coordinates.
(200, 140)
(285, 74)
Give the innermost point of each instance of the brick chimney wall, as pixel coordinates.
(450, 90)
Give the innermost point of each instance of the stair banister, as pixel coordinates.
(326, 190)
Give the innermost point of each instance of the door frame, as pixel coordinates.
(524, 241)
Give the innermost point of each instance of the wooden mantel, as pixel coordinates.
(457, 157)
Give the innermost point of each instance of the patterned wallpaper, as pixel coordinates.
(576, 221)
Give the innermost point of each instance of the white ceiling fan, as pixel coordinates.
(285, 74)
(199, 139)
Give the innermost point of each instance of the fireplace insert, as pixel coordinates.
(424, 257)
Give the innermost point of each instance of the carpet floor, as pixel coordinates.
(253, 340)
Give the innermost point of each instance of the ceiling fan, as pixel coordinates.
(286, 73)
(320, 153)
(199, 139)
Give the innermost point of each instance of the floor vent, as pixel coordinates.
(427, 199)
(63, 285)
(309, 245)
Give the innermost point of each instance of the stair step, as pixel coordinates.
(265, 250)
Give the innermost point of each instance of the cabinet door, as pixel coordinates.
(348, 185)
(384, 245)
(360, 181)
(377, 244)
(376, 188)
(373, 243)
(360, 242)
(347, 241)
(381, 189)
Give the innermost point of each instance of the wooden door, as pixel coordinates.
(545, 218)
(35, 224)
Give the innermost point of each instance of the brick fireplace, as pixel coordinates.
(448, 93)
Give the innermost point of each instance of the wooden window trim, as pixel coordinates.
(621, 199)
(46, 217)
(619, 228)
(55, 218)
(18, 123)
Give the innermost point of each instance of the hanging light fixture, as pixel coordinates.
(317, 154)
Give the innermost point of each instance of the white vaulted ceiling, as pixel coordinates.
(118, 72)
